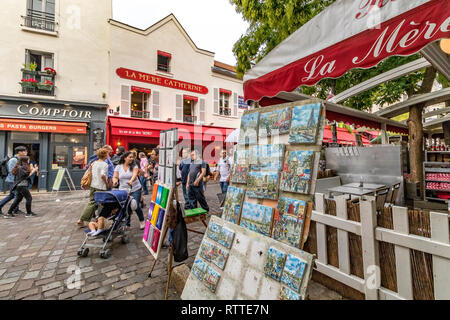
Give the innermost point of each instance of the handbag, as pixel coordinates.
(87, 178)
(180, 237)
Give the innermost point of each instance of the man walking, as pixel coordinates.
(9, 181)
(185, 164)
(224, 170)
(197, 170)
(116, 158)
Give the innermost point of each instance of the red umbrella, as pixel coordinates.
(348, 34)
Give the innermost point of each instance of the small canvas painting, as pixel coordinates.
(168, 176)
(169, 139)
(239, 174)
(288, 230)
(214, 230)
(226, 237)
(267, 157)
(161, 174)
(274, 263)
(219, 257)
(162, 140)
(257, 218)
(199, 268)
(233, 202)
(293, 272)
(206, 250)
(297, 171)
(275, 122)
(169, 158)
(305, 122)
(211, 279)
(248, 133)
(263, 185)
(288, 294)
(162, 157)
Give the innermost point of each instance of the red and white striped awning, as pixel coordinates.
(348, 34)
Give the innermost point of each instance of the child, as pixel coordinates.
(102, 224)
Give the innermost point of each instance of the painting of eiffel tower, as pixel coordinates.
(305, 121)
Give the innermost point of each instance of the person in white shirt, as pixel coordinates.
(224, 170)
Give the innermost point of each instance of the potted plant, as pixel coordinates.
(30, 68)
(50, 71)
(28, 83)
(47, 85)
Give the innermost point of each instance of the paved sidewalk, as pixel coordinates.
(38, 257)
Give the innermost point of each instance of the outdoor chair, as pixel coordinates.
(380, 199)
(393, 194)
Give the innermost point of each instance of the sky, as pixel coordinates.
(213, 25)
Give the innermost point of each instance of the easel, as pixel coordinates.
(188, 220)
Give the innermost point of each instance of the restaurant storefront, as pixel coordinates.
(144, 135)
(57, 135)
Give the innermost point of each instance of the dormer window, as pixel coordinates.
(164, 61)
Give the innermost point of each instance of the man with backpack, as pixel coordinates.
(9, 181)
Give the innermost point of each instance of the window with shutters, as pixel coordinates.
(164, 61)
(139, 102)
(224, 104)
(38, 75)
(155, 114)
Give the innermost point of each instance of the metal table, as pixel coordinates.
(365, 185)
(352, 191)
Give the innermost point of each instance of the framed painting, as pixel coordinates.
(305, 122)
(262, 184)
(257, 218)
(226, 237)
(266, 157)
(297, 171)
(248, 133)
(274, 263)
(275, 122)
(293, 272)
(233, 204)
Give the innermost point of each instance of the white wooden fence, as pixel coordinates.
(438, 246)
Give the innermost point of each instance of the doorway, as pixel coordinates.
(34, 153)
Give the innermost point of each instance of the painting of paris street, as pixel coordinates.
(267, 157)
(288, 230)
(275, 122)
(274, 263)
(257, 218)
(263, 185)
(232, 206)
(297, 170)
(288, 294)
(305, 121)
(240, 166)
(293, 272)
(248, 132)
(199, 268)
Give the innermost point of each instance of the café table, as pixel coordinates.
(365, 185)
(352, 190)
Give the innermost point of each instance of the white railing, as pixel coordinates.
(438, 246)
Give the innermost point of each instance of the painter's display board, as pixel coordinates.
(234, 263)
(168, 156)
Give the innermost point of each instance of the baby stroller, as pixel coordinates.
(110, 200)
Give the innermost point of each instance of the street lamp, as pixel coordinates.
(445, 45)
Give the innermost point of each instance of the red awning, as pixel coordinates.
(150, 128)
(192, 98)
(352, 34)
(139, 89)
(164, 54)
(343, 137)
(225, 91)
(42, 126)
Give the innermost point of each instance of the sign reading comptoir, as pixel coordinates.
(160, 81)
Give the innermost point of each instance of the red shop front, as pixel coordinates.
(130, 133)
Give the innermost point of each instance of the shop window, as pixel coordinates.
(139, 105)
(164, 61)
(79, 157)
(25, 136)
(60, 157)
(224, 104)
(70, 138)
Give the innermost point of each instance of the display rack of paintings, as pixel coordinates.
(257, 218)
(248, 133)
(305, 122)
(233, 204)
(297, 171)
(276, 122)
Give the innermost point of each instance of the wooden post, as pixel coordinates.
(342, 236)
(321, 230)
(370, 249)
(169, 272)
(402, 255)
(441, 265)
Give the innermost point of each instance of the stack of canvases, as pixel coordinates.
(155, 217)
(271, 183)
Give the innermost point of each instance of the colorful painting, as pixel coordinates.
(162, 157)
(219, 257)
(263, 185)
(274, 263)
(162, 140)
(288, 294)
(161, 175)
(169, 139)
(146, 230)
(206, 250)
(169, 158)
(232, 206)
(161, 216)
(168, 176)
(226, 237)
(211, 279)
(275, 122)
(293, 272)
(257, 218)
(297, 171)
(199, 268)
(248, 132)
(214, 230)
(267, 157)
(288, 221)
(305, 121)
(155, 240)
(151, 207)
(240, 166)
(151, 232)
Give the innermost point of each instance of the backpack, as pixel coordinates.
(4, 167)
(180, 237)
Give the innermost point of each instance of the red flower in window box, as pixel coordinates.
(28, 82)
(50, 71)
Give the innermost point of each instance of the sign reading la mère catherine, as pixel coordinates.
(160, 81)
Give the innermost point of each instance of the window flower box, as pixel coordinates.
(47, 85)
(28, 83)
(50, 71)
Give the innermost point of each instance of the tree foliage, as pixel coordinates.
(272, 21)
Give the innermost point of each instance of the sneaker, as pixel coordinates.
(30, 215)
(19, 212)
(8, 216)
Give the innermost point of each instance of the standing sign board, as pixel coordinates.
(254, 251)
(63, 173)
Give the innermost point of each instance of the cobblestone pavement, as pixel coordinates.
(38, 257)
